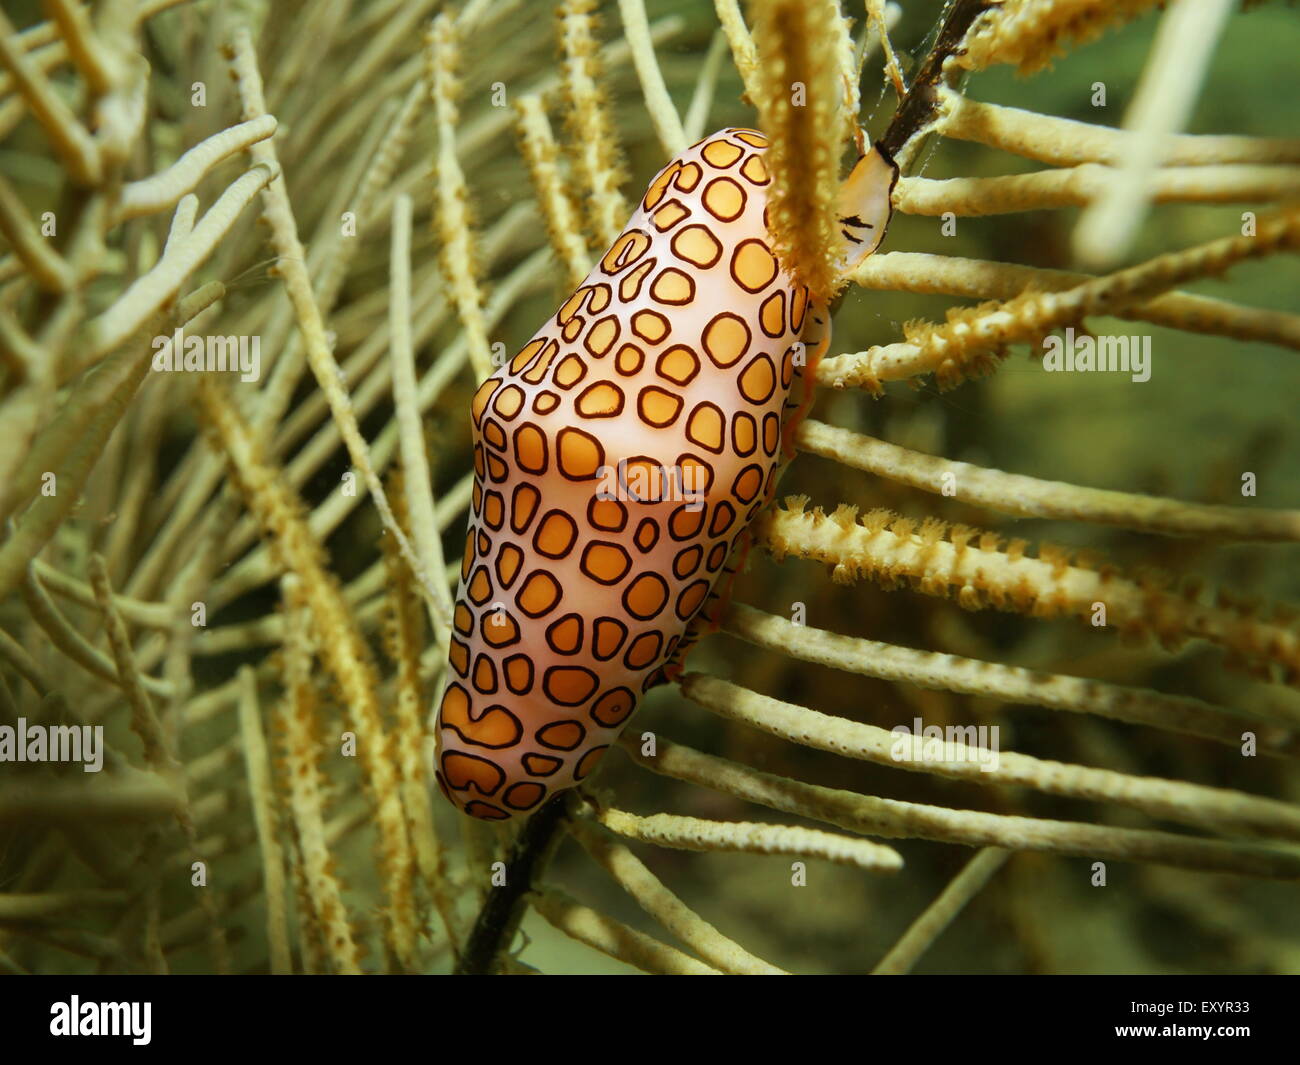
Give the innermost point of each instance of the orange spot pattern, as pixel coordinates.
(666, 377)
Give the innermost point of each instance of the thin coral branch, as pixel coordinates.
(27, 907)
(744, 56)
(659, 105)
(596, 154)
(972, 339)
(131, 795)
(632, 875)
(971, 566)
(279, 214)
(982, 279)
(881, 18)
(893, 818)
(72, 444)
(161, 191)
(67, 639)
(158, 756)
(615, 939)
(68, 137)
(149, 294)
(1033, 497)
(1279, 733)
(1213, 808)
(44, 264)
(801, 108)
(543, 164)
(1069, 142)
(258, 766)
(696, 834)
(1161, 106)
(342, 650)
(406, 639)
(1080, 185)
(457, 252)
(326, 917)
(922, 933)
(415, 461)
(697, 113)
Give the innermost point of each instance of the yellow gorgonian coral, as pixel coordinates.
(243, 575)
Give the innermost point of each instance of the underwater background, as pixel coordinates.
(228, 735)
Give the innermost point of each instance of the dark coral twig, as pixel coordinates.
(920, 106)
(504, 908)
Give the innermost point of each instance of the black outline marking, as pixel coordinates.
(622, 399)
(735, 254)
(761, 357)
(627, 592)
(582, 734)
(505, 797)
(487, 577)
(442, 762)
(483, 715)
(620, 261)
(744, 198)
(543, 575)
(779, 294)
(698, 562)
(559, 453)
(748, 499)
(562, 620)
(578, 772)
(677, 606)
(533, 755)
(704, 345)
(640, 407)
(590, 674)
(515, 508)
(722, 430)
(631, 707)
(654, 539)
(723, 142)
(668, 327)
(571, 356)
(674, 202)
(714, 529)
(658, 651)
(605, 619)
(618, 359)
(693, 511)
(637, 274)
(672, 244)
(735, 445)
(483, 625)
(591, 515)
(663, 357)
(532, 672)
(541, 525)
(502, 582)
(582, 561)
(482, 660)
(618, 331)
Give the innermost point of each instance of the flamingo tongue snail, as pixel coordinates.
(618, 461)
